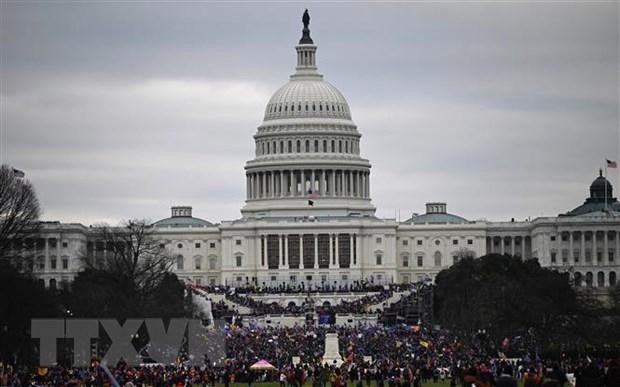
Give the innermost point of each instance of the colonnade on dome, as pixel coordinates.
(350, 183)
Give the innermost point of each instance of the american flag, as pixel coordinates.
(612, 164)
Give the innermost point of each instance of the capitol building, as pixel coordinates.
(309, 218)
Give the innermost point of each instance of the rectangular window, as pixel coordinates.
(552, 237)
(455, 241)
(238, 260)
(238, 242)
(378, 240)
(419, 242)
(65, 263)
(610, 256)
(273, 278)
(323, 251)
(162, 246)
(293, 278)
(553, 254)
(273, 251)
(65, 244)
(308, 251)
(197, 245)
(197, 263)
(405, 242)
(470, 241)
(212, 245)
(588, 256)
(599, 256)
(293, 251)
(420, 261)
(344, 251)
(379, 259)
(405, 261)
(576, 256)
(53, 263)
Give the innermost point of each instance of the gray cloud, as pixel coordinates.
(120, 110)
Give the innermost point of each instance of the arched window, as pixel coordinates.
(298, 146)
(238, 260)
(612, 278)
(316, 145)
(281, 146)
(327, 107)
(212, 263)
(333, 146)
(324, 145)
(267, 148)
(180, 262)
(339, 146)
(307, 146)
(313, 107)
(321, 107)
(437, 257)
(577, 278)
(346, 147)
(600, 279)
(589, 279)
(53, 284)
(306, 107)
(290, 146)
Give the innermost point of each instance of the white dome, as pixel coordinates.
(309, 97)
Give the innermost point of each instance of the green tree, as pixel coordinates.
(507, 296)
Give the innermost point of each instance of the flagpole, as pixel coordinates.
(605, 185)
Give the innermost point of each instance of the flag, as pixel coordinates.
(612, 164)
(18, 173)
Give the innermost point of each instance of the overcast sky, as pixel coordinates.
(119, 110)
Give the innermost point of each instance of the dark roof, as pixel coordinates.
(182, 221)
(437, 218)
(601, 199)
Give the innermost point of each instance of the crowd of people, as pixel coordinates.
(361, 305)
(398, 356)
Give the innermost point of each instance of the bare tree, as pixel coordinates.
(131, 255)
(19, 210)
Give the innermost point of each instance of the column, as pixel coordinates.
(291, 181)
(605, 248)
(282, 184)
(312, 186)
(316, 251)
(501, 246)
(337, 257)
(286, 251)
(351, 249)
(357, 249)
(332, 175)
(323, 182)
(342, 183)
(280, 253)
(359, 185)
(47, 253)
(331, 251)
(302, 185)
(594, 260)
(264, 190)
(512, 246)
(523, 247)
(350, 183)
(570, 248)
(272, 186)
(583, 247)
(247, 186)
